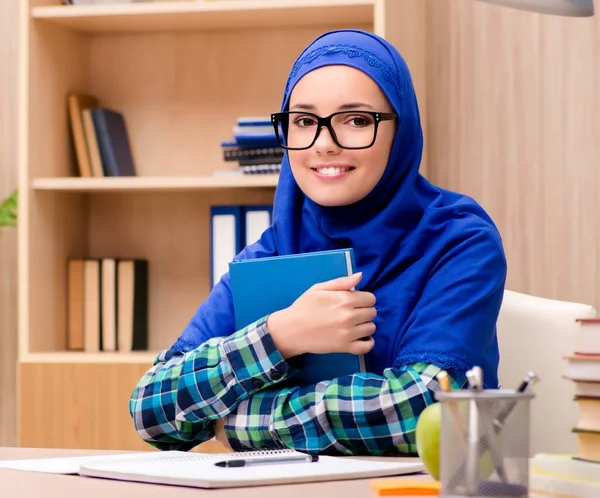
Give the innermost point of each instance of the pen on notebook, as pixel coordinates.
(268, 461)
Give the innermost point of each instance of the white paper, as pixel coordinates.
(70, 465)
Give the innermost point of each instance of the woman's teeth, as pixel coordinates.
(332, 171)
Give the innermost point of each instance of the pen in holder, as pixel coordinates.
(478, 456)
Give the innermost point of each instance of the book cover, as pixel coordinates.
(132, 295)
(264, 285)
(113, 141)
(77, 103)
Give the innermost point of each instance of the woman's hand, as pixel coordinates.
(328, 318)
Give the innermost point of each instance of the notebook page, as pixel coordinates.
(70, 465)
(200, 470)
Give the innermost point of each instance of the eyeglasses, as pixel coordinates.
(349, 129)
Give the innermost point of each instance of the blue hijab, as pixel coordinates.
(433, 258)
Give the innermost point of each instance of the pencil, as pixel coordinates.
(444, 381)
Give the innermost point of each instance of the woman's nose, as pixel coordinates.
(325, 144)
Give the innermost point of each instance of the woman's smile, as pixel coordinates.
(332, 171)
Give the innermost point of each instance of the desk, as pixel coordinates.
(19, 484)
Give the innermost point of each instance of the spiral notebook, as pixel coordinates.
(200, 470)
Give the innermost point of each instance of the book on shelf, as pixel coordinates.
(100, 139)
(76, 104)
(232, 228)
(107, 304)
(254, 147)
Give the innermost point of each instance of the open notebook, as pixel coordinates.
(200, 470)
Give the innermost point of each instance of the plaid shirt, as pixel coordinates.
(236, 378)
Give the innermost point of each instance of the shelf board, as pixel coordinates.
(144, 357)
(154, 184)
(206, 15)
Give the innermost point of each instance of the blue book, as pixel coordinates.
(113, 142)
(264, 285)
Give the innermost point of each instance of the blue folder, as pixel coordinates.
(264, 285)
(227, 235)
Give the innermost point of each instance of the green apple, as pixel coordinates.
(428, 443)
(428, 438)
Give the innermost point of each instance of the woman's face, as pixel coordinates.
(327, 173)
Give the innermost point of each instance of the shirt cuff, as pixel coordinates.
(255, 360)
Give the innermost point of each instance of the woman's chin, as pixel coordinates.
(331, 198)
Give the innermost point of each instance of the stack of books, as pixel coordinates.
(577, 475)
(107, 304)
(254, 148)
(100, 138)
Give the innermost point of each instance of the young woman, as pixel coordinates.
(428, 292)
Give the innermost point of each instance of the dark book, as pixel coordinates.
(132, 299)
(113, 141)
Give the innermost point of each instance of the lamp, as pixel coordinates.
(572, 8)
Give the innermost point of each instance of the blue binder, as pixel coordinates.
(226, 239)
(254, 226)
(265, 285)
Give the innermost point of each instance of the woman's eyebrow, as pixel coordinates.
(349, 105)
(306, 107)
(355, 105)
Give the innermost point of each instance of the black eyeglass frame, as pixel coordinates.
(378, 117)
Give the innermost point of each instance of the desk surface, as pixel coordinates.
(35, 484)
(20, 484)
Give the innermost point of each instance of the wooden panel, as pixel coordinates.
(8, 238)
(403, 23)
(52, 224)
(513, 121)
(89, 405)
(82, 406)
(155, 184)
(206, 15)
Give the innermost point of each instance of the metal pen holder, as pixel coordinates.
(484, 443)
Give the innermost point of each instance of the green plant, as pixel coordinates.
(8, 211)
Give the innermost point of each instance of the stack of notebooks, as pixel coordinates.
(577, 475)
(254, 148)
(107, 304)
(100, 138)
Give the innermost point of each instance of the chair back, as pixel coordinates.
(535, 334)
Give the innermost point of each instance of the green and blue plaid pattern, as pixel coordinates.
(177, 401)
(362, 414)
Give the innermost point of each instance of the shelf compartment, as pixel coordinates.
(206, 15)
(154, 184)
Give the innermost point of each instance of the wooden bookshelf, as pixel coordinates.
(181, 73)
(139, 357)
(155, 184)
(207, 15)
